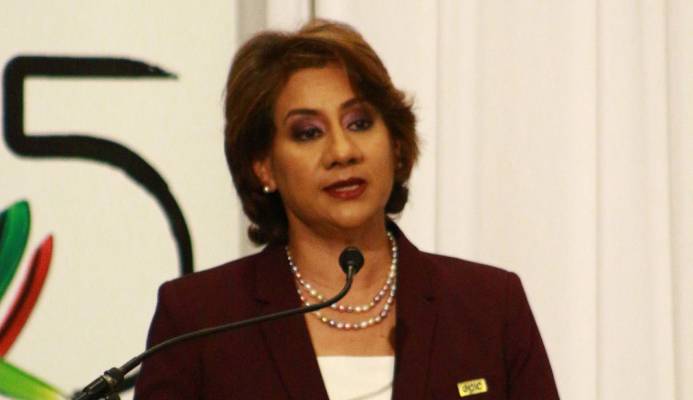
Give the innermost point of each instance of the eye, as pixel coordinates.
(303, 134)
(360, 124)
(358, 119)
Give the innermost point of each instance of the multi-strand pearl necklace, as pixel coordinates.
(386, 293)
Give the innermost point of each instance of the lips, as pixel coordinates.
(347, 189)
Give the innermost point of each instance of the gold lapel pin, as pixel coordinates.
(474, 386)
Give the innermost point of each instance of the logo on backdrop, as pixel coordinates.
(14, 222)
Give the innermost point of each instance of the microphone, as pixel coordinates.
(351, 257)
(106, 385)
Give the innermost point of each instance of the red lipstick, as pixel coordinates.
(348, 189)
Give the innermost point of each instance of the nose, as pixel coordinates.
(341, 149)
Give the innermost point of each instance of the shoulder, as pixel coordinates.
(454, 281)
(212, 294)
(483, 293)
(219, 276)
(455, 274)
(215, 276)
(456, 267)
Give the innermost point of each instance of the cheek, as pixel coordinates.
(383, 166)
(293, 170)
(385, 154)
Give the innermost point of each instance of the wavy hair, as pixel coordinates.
(259, 71)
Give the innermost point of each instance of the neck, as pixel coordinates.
(316, 254)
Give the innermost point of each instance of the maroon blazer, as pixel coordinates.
(457, 321)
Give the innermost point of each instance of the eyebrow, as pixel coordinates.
(310, 111)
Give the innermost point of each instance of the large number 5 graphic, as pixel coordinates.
(86, 147)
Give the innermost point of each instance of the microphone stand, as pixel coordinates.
(106, 385)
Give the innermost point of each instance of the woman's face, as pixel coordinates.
(332, 159)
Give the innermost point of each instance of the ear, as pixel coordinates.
(397, 149)
(397, 153)
(263, 171)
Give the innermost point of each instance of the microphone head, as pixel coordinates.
(351, 257)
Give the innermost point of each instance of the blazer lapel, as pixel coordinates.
(289, 343)
(416, 319)
(287, 339)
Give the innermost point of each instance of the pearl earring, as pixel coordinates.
(266, 189)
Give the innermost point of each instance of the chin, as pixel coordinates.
(354, 219)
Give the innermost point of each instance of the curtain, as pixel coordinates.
(556, 143)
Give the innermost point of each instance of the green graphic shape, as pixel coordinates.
(14, 233)
(17, 384)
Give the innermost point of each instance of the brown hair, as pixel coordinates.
(258, 73)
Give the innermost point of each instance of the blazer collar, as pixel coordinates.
(416, 320)
(289, 342)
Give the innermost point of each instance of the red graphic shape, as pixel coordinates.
(28, 295)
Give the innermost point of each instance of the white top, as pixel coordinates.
(357, 378)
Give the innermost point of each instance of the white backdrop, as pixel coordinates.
(112, 242)
(555, 134)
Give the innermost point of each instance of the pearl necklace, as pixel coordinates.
(390, 284)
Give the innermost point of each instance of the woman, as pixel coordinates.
(320, 145)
